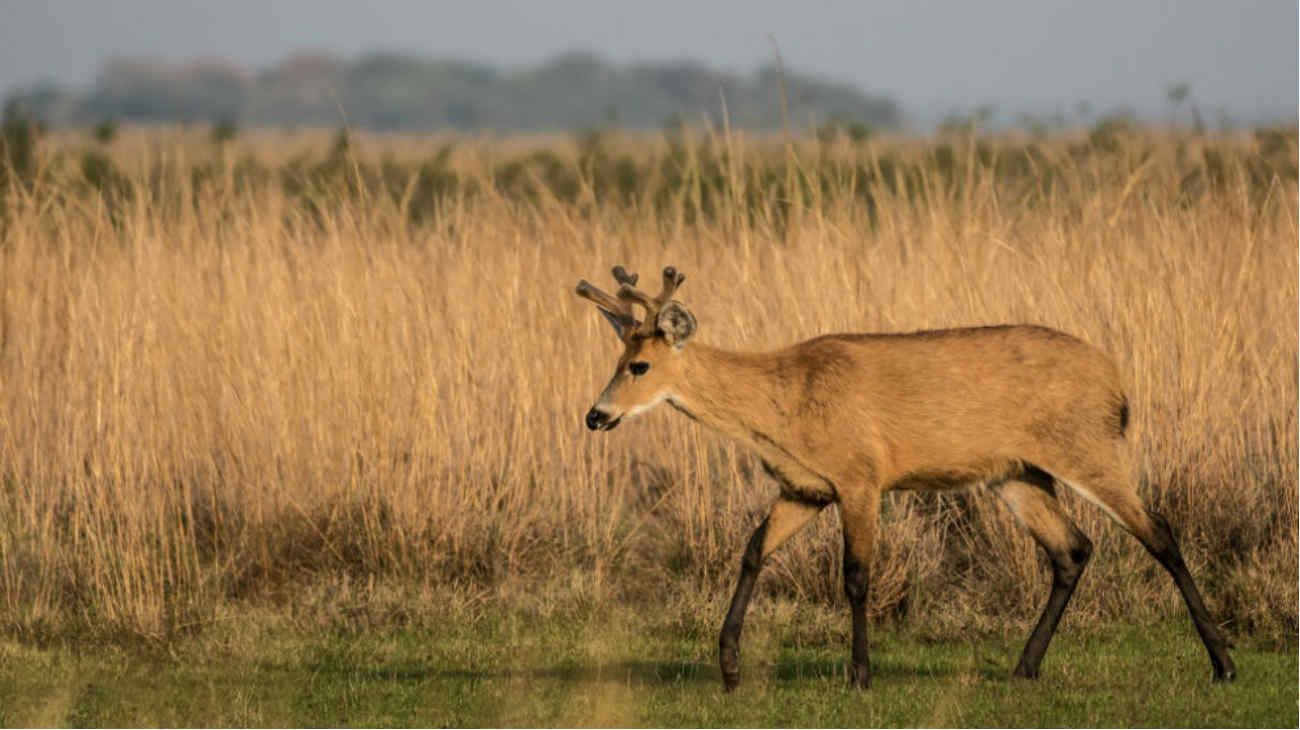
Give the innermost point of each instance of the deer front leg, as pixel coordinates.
(785, 518)
(860, 517)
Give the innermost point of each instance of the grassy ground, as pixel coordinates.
(627, 670)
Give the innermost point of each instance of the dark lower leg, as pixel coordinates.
(855, 587)
(729, 640)
(1067, 567)
(1164, 548)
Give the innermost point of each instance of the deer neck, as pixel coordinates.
(731, 392)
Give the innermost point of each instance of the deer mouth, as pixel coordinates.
(611, 425)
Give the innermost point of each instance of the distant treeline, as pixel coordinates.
(389, 91)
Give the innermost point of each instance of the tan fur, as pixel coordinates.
(845, 418)
(841, 415)
(1040, 513)
(786, 518)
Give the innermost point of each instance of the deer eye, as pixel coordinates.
(638, 367)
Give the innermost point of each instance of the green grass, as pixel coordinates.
(631, 670)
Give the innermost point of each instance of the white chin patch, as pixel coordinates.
(638, 410)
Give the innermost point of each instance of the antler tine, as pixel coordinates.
(627, 291)
(632, 295)
(672, 279)
(622, 277)
(614, 306)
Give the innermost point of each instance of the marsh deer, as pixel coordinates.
(845, 418)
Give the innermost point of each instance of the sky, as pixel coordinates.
(1021, 56)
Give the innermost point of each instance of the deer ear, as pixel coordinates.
(613, 321)
(676, 324)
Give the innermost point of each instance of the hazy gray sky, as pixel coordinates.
(1022, 55)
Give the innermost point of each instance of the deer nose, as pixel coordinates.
(595, 419)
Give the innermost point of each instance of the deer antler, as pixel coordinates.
(630, 294)
(622, 277)
(618, 312)
(619, 308)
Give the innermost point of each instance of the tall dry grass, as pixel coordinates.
(220, 390)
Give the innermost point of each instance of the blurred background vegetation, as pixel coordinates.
(395, 91)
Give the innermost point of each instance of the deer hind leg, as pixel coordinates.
(1033, 502)
(860, 517)
(1109, 485)
(784, 519)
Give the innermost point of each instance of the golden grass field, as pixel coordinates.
(283, 376)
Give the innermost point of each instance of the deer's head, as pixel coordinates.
(651, 363)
